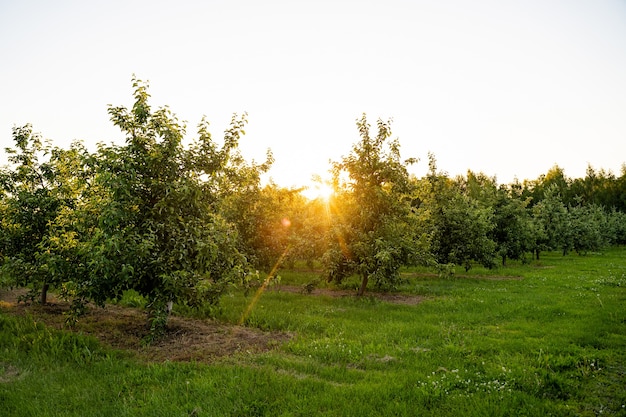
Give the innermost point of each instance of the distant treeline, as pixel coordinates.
(597, 187)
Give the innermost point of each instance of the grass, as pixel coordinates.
(548, 338)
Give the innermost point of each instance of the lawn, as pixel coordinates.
(547, 338)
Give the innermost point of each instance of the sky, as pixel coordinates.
(506, 88)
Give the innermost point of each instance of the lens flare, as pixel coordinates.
(319, 191)
(261, 289)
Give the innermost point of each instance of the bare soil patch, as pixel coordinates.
(8, 373)
(463, 276)
(123, 328)
(387, 297)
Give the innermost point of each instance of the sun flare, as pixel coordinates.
(318, 191)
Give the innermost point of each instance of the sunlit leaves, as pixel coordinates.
(373, 228)
(37, 194)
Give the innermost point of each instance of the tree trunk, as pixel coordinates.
(44, 294)
(363, 286)
(503, 260)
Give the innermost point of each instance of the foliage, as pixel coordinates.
(550, 223)
(35, 194)
(312, 235)
(513, 231)
(598, 187)
(555, 180)
(616, 227)
(266, 219)
(147, 216)
(586, 229)
(149, 220)
(374, 228)
(460, 225)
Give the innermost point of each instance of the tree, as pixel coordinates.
(554, 179)
(588, 226)
(265, 219)
(460, 226)
(550, 222)
(34, 194)
(513, 232)
(311, 237)
(616, 227)
(373, 225)
(158, 228)
(620, 190)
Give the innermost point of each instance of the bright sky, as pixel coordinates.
(509, 88)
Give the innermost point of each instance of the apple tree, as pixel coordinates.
(158, 228)
(374, 228)
(35, 189)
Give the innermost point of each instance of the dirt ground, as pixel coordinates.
(387, 297)
(186, 339)
(123, 328)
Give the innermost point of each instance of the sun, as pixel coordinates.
(318, 191)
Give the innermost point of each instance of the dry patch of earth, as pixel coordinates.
(123, 328)
(462, 276)
(387, 297)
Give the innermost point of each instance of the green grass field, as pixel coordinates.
(548, 338)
